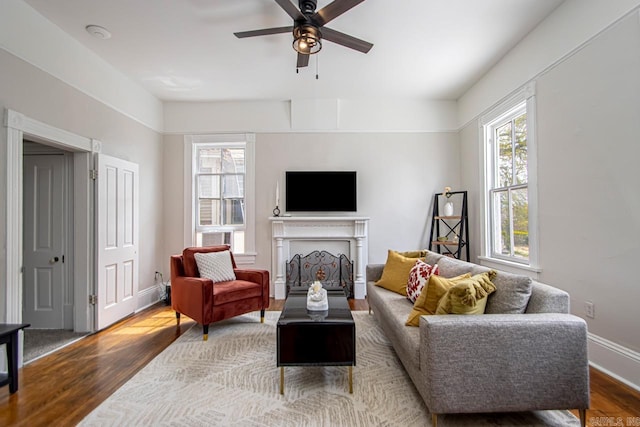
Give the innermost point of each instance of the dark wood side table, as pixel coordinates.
(306, 338)
(9, 337)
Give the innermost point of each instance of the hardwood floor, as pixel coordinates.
(62, 388)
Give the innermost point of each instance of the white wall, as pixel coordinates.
(588, 110)
(36, 94)
(28, 35)
(312, 115)
(574, 22)
(398, 173)
(404, 151)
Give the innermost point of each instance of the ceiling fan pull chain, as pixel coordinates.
(317, 66)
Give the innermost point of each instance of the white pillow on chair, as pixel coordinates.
(216, 266)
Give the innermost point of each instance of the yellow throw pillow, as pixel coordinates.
(414, 254)
(427, 302)
(469, 296)
(396, 272)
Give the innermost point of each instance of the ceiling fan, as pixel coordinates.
(309, 28)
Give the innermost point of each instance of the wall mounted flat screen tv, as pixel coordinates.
(321, 191)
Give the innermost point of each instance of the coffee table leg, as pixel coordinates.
(351, 379)
(281, 379)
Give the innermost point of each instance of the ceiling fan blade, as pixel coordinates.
(303, 60)
(333, 10)
(264, 32)
(291, 9)
(346, 40)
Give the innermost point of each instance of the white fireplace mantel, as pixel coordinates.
(319, 233)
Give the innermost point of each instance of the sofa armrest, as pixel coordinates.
(193, 297)
(504, 362)
(374, 272)
(256, 276)
(547, 299)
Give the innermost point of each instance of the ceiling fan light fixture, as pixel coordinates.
(307, 39)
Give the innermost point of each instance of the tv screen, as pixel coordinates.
(308, 191)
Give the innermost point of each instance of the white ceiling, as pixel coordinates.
(186, 50)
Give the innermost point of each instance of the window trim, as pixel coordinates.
(246, 139)
(525, 94)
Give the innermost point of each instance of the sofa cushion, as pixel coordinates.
(396, 272)
(451, 267)
(418, 277)
(391, 310)
(432, 257)
(215, 266)
(427, 302)
(469, 296)
(511, 295)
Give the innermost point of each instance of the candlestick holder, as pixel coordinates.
(276, 211)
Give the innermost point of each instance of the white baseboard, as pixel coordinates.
(149, 296)
(615, 360)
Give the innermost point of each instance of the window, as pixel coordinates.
(509, 196)
(221, 189)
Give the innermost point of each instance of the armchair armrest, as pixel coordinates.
(256, 276)
(504, 362)
(193, 297)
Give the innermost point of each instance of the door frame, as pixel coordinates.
(18, 126)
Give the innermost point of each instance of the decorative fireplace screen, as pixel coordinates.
(331, 270)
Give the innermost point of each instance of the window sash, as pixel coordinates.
(496, 229)
(212, 186)
(497, 185)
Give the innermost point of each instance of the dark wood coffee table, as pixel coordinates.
(9, 337)
(316, 338)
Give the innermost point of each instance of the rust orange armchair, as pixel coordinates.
(205, 301)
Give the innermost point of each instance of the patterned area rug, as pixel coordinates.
(232, 380)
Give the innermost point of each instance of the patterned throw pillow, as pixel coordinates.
(418, 277)
(215, 266)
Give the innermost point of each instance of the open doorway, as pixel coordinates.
(47, 286)
(104, 280)
(18, 128)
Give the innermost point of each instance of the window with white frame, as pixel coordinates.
(510, 213)
(221, 189)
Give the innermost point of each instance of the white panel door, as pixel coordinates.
(117, 239)
(44, 231)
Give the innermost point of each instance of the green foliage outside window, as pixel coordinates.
(510, 193)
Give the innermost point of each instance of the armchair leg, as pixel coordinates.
(434, 420)
(262, 316)
(205, 332)
(583, 417)
(178, 317)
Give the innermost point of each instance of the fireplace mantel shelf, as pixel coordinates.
(319, 231)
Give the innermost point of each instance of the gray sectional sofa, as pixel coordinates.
(525, 353)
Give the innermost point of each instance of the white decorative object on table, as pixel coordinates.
(317, 297)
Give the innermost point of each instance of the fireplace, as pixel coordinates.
(334, 271)
(303, 235)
